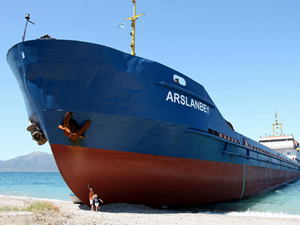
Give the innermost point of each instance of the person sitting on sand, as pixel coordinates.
(97, 199)
(91, 196)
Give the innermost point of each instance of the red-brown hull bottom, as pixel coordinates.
(158, 180)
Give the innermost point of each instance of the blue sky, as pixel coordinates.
(245, 53)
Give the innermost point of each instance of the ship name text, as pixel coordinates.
(189, 102)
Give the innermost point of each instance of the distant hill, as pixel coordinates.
(34, 162)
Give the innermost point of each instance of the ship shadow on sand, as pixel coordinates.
(131, 208)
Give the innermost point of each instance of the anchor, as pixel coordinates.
(72, 129)
(36, 133)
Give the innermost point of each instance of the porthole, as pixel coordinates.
(23, 55)
(179, 80)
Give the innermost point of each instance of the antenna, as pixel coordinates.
(27, 17)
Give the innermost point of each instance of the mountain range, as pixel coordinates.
(34, 162)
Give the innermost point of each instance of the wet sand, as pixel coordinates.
(68, 213)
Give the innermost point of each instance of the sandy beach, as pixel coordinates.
(14, 210)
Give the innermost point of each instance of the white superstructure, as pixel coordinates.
(284, 144)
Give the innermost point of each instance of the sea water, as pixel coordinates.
(34, 185)
(281, 202)
(284, 201)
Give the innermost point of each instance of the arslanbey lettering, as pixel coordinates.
(184, 100)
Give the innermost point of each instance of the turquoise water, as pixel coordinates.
(34, 185)
(284, 201)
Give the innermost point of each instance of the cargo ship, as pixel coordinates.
(137, 131)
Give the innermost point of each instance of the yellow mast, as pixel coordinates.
(132, 45)
(275, 126)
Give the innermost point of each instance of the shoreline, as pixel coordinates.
(37, 199)
(122, 213)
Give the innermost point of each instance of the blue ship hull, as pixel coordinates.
(151, 140)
